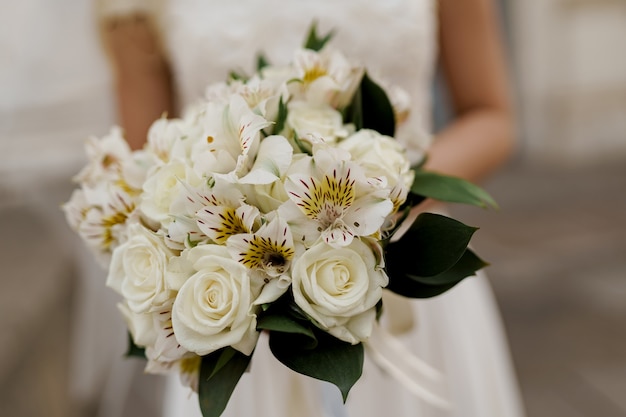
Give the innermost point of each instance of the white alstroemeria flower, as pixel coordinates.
(269, 197)
(76, 209)
(327, 76)
(183, 229)
(166, 347)
(340, 287)
(188, 368)
(154, 332)
(382, 157)
(316, 119)
(272, 161)
(105, 219)
(268, 252)
(263, 96)
(138, 271)
(135, 170)
(221, 92)
(332, 197)
(278, 75)
(232, 135)
(140, 325)
(189, 371)
(213, 307)
(169, 138)
(105, 156)
(221, 222)
(224, 213)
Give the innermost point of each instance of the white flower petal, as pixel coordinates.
(367, 215)
(272, 161)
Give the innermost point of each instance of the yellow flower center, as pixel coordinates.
(313, 73)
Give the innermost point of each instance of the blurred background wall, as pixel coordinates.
(570, 67)
(557, 245)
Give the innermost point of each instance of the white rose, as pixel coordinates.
(138, 270)
(163, 187)
(380, 156)
(213, 307)
(310, 119)
(339, 288)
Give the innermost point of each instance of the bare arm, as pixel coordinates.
(142, 76)
(482, 135)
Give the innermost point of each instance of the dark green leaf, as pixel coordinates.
(425, 287)
(261, 62)
(433, 245)
(314, 41)
(450, 189)
(281, 118)
(466, 266)
(287, 324)
(412, 289)
(217, 385)
(285, 316)
(237, 76)
(295, 310)
(332, 360)
(224, 357)
(379, 309)
(377, 111)
(134, 350)
(354, 112)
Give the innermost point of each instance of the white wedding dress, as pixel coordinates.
(458, 333)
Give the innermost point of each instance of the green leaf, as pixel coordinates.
(224, 357)
(237, 76)
(466, 266)
(331, 360)
(354, 112)
(217, 385)
(424, 287)
(314, 41)
(451, 189)
(281, 118)
(377, 111)
(261, 62)
(287, 324)
(379, 309)
(433, 245)
(134, 350)
(285, 316)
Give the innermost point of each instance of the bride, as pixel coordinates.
(165, 53)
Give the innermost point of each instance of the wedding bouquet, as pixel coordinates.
(270, 206)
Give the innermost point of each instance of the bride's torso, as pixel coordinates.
(206, 39)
